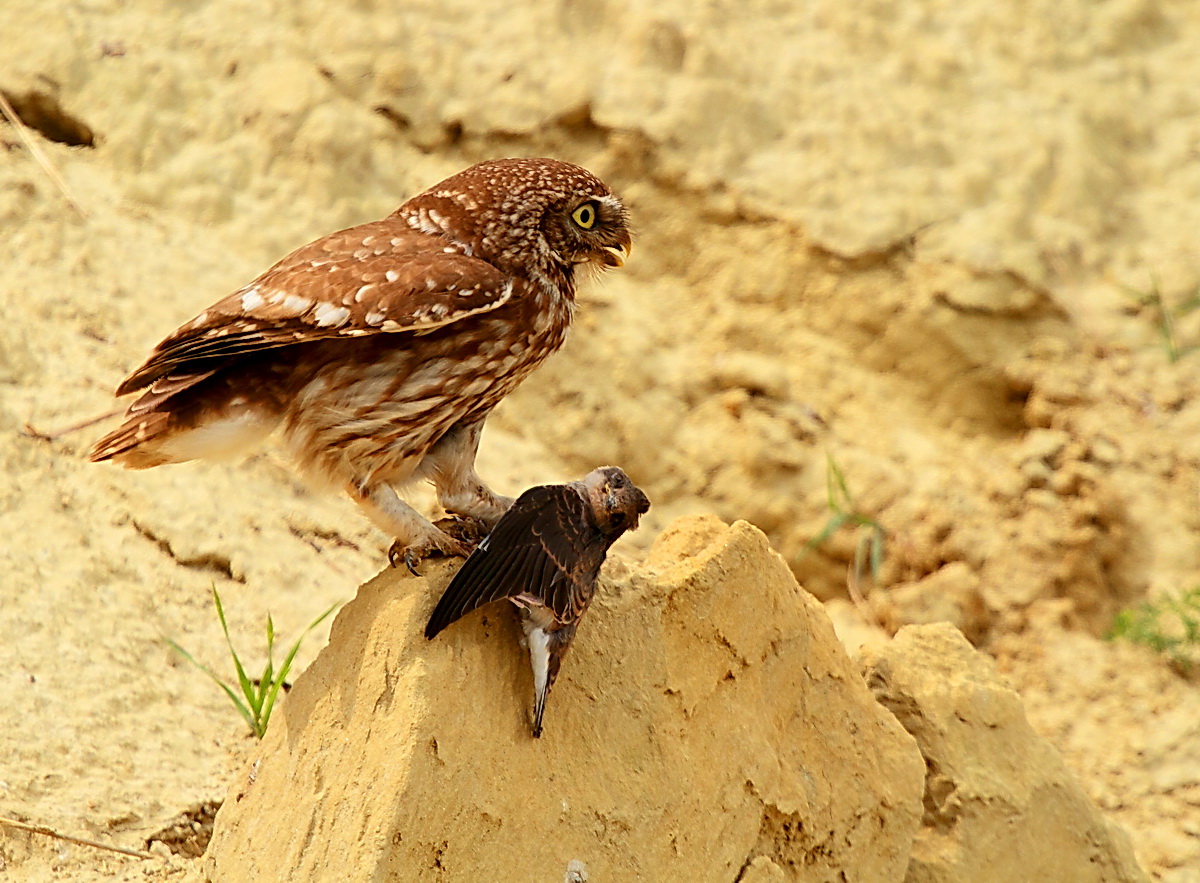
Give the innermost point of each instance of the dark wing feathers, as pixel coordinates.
(365, 280)
(537, 549)
(576, 549)
(482, 578)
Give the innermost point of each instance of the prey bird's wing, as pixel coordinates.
(370, 279)
(545, 546)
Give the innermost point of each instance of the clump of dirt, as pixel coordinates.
(189, 832)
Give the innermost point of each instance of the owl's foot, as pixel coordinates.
(464, 528)
(435, 545)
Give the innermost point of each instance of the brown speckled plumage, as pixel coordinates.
(380, 350)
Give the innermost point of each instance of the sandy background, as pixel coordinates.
(906, 235)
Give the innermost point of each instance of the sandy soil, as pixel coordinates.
(912, 237)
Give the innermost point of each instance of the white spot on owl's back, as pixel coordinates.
(362, 292)
(330, 314)
(392, 275)
(252, 300)
(294, 305)
(421, 221)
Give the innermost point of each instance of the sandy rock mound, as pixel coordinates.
(707, 726)
(999, 803)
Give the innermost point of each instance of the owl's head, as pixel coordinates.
(527, 216)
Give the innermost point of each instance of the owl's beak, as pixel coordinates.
(614, 255)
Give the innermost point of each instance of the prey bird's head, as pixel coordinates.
(617, 503)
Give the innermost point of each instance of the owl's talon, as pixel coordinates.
(395, 554)
(411, 561)
(412, 554)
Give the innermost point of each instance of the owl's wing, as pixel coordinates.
(376, 278)
(545, 547)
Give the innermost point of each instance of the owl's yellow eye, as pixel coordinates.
(585, 215)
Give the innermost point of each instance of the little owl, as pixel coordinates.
(380, 350)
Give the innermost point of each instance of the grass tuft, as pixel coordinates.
(258, 696)
(1165, 317)
(1169, 625)
(869, 548)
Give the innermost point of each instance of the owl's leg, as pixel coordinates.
(416, 539)
(450, 465)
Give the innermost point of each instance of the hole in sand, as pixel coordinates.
(42, 112)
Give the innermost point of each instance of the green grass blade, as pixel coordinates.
(243, 680)
(243, 710)
(841, 483)
(837, 493)
(832, 526)
(279, 680)
(268, 675)
(1156, 624)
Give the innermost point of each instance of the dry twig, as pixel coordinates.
(50, 832)
(45, 435)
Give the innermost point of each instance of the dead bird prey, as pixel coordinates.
(544, 556)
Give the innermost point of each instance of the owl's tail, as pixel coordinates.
(163, 426)
(133, 443)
